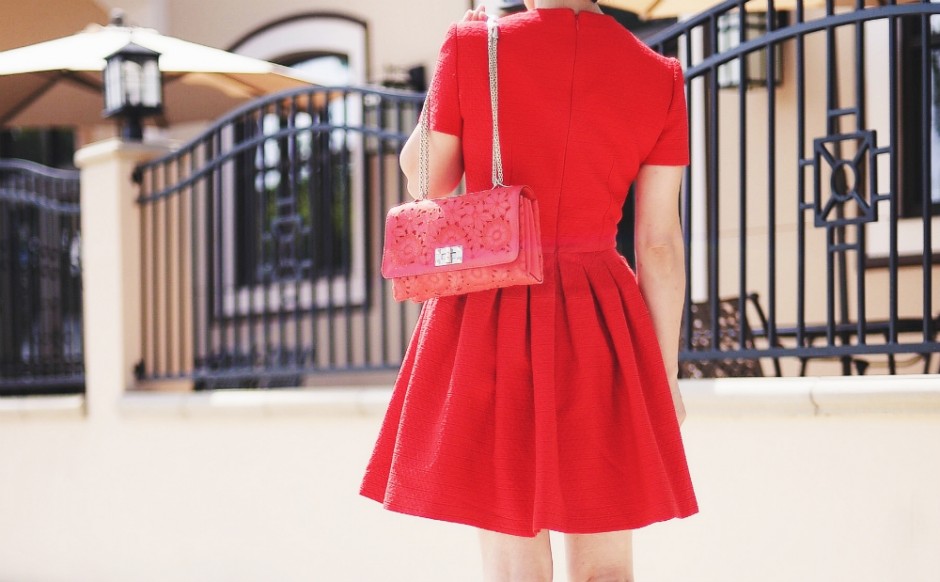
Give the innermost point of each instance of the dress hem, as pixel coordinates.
(614, 525)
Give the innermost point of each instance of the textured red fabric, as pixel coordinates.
(546, 406)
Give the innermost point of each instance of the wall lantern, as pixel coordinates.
(755, 66)
(133, 88)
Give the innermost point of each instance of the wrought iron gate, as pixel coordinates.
(40, 280)
(815, 181)
(262, 242)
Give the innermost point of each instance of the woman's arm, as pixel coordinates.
(660, 261)
(445, 161)
(446, 154)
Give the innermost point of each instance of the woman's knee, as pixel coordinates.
(604, 557)
(509, 558)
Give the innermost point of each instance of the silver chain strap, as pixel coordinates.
(424, 179)
(493, 29)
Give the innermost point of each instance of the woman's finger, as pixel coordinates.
(475, 15)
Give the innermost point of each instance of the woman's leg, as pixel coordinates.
(508, 558)
(601, 557)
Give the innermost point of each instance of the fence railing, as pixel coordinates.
(40, 280)
(815, 183)
(262, 242)
(807, 211)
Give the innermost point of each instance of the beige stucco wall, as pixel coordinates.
(259, 486)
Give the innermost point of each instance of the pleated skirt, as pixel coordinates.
(536, 407)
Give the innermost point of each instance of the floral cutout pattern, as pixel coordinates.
(497, 229)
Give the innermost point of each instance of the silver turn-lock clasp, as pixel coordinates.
(448, 255)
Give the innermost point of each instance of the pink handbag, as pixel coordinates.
(460, 244)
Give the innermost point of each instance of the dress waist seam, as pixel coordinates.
(563, 251)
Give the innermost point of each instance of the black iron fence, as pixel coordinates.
(262, 242)
(40, 280)
(814, 186)
(807, 211)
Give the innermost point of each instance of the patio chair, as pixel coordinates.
(730, 318)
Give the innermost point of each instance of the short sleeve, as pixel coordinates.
(443, 97)
(672, 147)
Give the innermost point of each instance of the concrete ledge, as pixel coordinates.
(359, 401)
(32, 407)
(816, 396)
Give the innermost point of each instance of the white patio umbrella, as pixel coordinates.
(59, 82)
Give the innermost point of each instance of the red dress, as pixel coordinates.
(546, 406)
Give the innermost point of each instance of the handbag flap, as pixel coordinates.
(477, 229)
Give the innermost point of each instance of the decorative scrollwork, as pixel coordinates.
(847, 181)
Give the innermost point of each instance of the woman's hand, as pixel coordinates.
(478, 14)
(677, 400)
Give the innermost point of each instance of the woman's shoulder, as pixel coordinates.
(628, 46)
(619, 41)
(621, 48)
(625, 52)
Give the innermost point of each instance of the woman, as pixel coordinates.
(552, 406)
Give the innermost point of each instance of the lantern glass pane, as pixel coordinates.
(756, 27)
(729, 35)
(151, 88)
(132, 83)
(113, 93)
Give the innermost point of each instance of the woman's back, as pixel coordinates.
(582, 104)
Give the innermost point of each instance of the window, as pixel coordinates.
(293, 199)
(299, 192)
(312, 42)
(756, 69)
(333, 69)
(915, 128)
